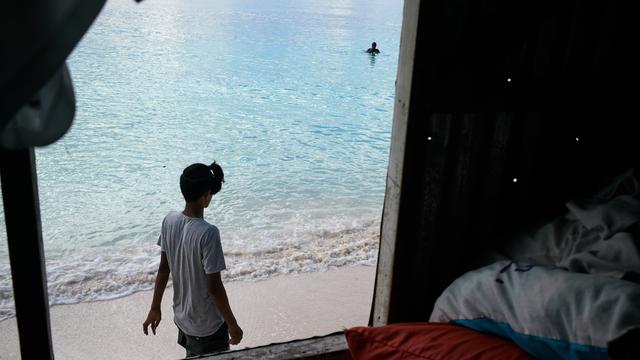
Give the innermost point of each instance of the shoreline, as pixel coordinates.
(108, 274)
(282, 308)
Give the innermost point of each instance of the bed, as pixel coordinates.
(567, 289)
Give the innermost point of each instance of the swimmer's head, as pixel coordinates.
(373, 45)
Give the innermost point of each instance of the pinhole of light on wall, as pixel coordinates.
(515, 180)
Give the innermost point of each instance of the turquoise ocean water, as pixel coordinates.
(279, 92)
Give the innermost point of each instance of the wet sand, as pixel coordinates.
(275, 310)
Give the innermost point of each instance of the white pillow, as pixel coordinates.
(549, 312)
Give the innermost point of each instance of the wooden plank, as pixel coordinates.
(384, 274)
(297, 349)
(26, 254)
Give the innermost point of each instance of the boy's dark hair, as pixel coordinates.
(197, 179)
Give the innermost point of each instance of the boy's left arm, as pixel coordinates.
(221, 301)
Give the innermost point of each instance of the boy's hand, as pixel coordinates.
(235, 335)
(153, 319)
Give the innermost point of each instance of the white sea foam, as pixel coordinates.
(105, 275)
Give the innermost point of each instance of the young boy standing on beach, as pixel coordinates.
(192, 252)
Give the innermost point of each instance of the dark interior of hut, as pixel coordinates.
(502, 91)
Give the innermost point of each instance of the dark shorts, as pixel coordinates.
(201, 345)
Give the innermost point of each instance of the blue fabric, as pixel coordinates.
(538, 346)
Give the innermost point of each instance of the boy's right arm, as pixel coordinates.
(155, 314)
(219, 295)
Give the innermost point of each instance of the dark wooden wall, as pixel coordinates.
(563, 126)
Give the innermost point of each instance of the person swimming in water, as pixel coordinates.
(372, 49)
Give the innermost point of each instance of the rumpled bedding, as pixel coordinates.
(599, 235)
(569, 287)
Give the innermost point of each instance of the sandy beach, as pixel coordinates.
(275, 310)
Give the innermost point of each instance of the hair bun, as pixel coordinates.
(216, 170)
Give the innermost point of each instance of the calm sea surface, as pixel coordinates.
(279, 92)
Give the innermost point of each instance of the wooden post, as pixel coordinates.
(24, 235)
(388, 233)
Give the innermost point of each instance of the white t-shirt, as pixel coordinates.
(193, 250)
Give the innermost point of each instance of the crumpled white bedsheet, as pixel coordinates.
(599, 235)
